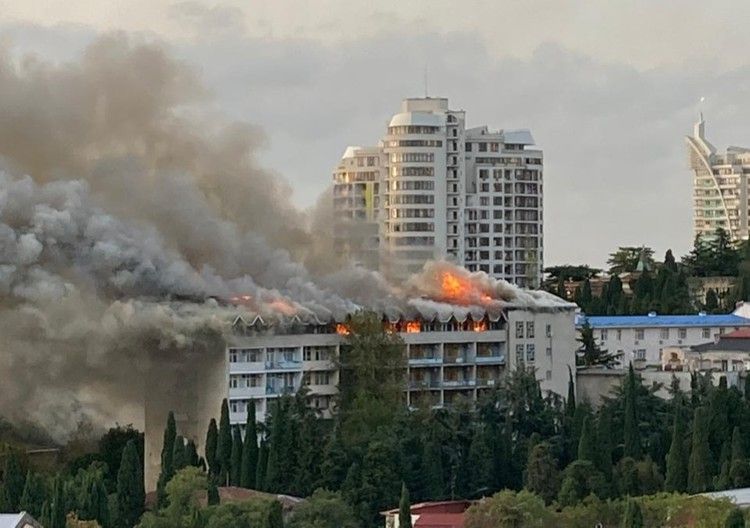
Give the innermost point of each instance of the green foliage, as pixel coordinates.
(212, 493)
(587, 447)
(212, 445)
(580, 479)
(590, 353)
(699, 466)
(404, 508)
(224, 447)
(633, 518)
(631, 434)
(249, 450)
(130, 492)
(542, 475)
(260, 474)
(627, 259)
(236, 458)
(735, 519)
(677, 459)
(509, 509)
(179, 457)
(13, 481)
(167, 458)
(111, 446)
(323, 509)
(34, 494)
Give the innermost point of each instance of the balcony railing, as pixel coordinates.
(280, 389)
(494, 358)
(428, 360)
(424, 384)
(459, 383)
(284, 364)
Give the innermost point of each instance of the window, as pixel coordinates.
(548, 352)
(548, 375)
(604, 334)
(519, 329)
(706, 333)
(640, 354)
(548, 330)
(530, 352)
(619, 334)
(681, 333)
(530, 329)
(233, 356)
(639, 333)
(664, 333)
(519, 353)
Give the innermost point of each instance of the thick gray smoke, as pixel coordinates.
(126, 208)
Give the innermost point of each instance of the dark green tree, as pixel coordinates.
(712, 301)
(590, 353)
(249, 450)
(179, 457)
(260, 474)
(587, 446)
(191, 454)
(167, 459)
(677, 459)
(480, 452)
(34, 494)
(57, 510)
(739, 469)
(212, 445)
(627, 259)
(324, 509)
(604, 442)
(224, 448)
(735, 519)
(236, 458)
(130, 493)
(699, 465)
(570, 402)
(212, 493)
(633, 518)
(542, 475)
(631, 434)
(434, 472)
(274, 477)
(404, 508)
(13, 481)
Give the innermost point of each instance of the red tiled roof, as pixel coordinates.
(440, 520)
(742, 333)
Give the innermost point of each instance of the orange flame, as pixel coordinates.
(462, 291)
(479, 326)
(413, 327)
(342, 329)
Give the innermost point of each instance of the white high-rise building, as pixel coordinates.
(720, 186)
(472, 196)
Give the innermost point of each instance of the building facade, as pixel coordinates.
(641, 339)
(459, 356)
(720, 186)
(472, 196)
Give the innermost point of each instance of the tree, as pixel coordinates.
(570, 402)
(739, 469)
(236, 458)
(212, 444)
(604, 442)
(631, 434)
(179, 458)
(224, 448)
(626, 259)
(191, 454)
(56, 511)
(111, 445)
(130, 493)
(735, 519)
(580, 479)
(633, 518)
(249, 450)
(33, 496)
(323, 509)
(13, 481)
(587, 447)
(508, 509)
(677, 459)
(167, 458)
(590, 353)
(212, 493)
(274, 476)
(712, 301)
(404, 508)
(480, 452)
(542, 475)
(699, 466)
(260, 474)
(434, 471)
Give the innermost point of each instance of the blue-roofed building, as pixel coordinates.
(641, 338)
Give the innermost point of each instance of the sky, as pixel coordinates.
(609, 89)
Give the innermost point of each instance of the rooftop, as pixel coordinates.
(657, 321)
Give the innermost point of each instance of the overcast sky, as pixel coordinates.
(608, 89)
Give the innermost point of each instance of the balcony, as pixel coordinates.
(462, 383)
(245, 392)
(424, 360)
(278, 390)
(494, 359)
(424, 384)
(284, 364)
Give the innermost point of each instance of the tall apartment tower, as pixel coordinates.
(720, 186)
(472, 196)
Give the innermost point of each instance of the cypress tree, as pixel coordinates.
(45, 517)
(212, 445)
(278, 430)
(179, 459)
(604, 441)
(404, 508)
(735, 519)
(102, 503)
(587, 448)
(13, 481)
(739, 469)
(130, 494)
(213, 498)
(167, 459)
(480, 453)
(56, 515)
(721, 482)
(191, 454)
(542, 475)
(631, 435)
(275, 516)
(633, 518)
(570, 406)
(260, 474)
(433, 467)
(236, 458)
(224, 450)
(677, 465)
(33, 496)
(249, 450)
(699, 466)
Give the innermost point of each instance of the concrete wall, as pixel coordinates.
(192, 384)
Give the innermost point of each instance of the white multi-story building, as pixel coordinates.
(720, 186)
(456, 356)
(640, 339)
(472, 196)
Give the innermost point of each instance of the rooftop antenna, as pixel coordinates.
(700, 108)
